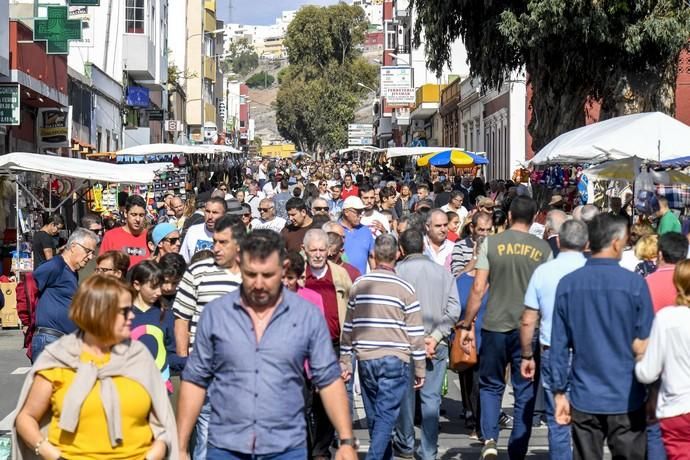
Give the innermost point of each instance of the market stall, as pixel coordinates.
(44, 184)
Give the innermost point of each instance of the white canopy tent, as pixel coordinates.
(363, 148)
(17, 162)
(651, 136)
(175, 149)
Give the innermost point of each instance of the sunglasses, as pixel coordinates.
(126, 311)
(248, 214)
(320, 208)
(264, 209)
(172, 240)
(103, 270)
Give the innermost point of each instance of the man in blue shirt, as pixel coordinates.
(603, 313)
(57, 282)
(249, 354)
(359, 243)
(539, 300)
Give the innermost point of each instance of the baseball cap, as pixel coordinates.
(353, 202)
(160, 231)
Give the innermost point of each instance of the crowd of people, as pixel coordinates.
(236, 325)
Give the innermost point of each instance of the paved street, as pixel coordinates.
(454, 441)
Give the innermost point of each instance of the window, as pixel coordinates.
(391, 36)
(134, 16)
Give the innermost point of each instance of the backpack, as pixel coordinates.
(27, 298)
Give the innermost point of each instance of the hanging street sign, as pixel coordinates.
(57, 30)
(9, 104)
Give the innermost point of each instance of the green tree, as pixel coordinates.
(241, 57)
(318, 92)
(622, 53)
(261, 80)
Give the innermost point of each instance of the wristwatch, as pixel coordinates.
(465, 327)
(352, 442)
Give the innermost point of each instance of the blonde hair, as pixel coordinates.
(647, 247)
(96, 305)
(681, 280)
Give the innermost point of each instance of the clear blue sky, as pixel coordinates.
(261, 11)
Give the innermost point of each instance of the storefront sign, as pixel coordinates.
(57, 30)
(400, 96)
(360, 134)
(156, 115)
(54, 127)
(395, 77)
(9, 104)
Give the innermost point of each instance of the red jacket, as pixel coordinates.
(27, 297)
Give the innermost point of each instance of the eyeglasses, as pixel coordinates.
(172, 241)
(126, 311)
(264, 209)
(103, 270)
(359, 212)
(89, 251)
(248, 214)
(320, 208)
(97, 231)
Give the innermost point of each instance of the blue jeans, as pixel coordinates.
(655, 445)
(430, 395)
(215, 453)
(199, 451)
(39, 342)
(559, 435)
(384, 382)
(498, 350)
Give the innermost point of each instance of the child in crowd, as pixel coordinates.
(153, 323)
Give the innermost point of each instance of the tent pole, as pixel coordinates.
(17, 224)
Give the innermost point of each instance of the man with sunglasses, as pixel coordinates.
(268, 219)
(319, 207)
(57, 282)
(166, 240)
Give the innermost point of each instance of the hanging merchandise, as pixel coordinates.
(645, 194)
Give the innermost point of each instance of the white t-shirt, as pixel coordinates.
(269, 190)
(197, 238)
(276, 224)
(262, 172)
(369, 222)
(461, 212)
(667, 357)
(253, 202)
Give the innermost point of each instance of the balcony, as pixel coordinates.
(210, 68)
(428, 100)
(139, 57)
(210, 5)
(209, 21)
(209, 112)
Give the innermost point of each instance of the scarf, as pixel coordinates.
(130, 359)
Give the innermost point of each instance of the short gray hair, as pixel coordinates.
(321, 200)
(80, 235)
(432, 213)
(315, 234)
(328, 226)
(573, 235)
(554, 220)
(588, 213)
(386, 248)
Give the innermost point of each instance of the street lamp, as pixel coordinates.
(401, 58)
(366, 87)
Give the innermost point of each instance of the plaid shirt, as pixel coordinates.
(678, 196)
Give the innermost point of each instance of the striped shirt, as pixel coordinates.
(462, 255)
(203, 282)
(383, 319)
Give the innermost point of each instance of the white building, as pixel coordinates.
(373, 9)
(266, 39)
(128, 41)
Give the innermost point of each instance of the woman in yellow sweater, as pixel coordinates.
(95, 393)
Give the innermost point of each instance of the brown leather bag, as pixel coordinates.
(459, 360)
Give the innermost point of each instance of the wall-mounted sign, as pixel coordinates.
(395, 77)
(87, 26)
(137, 96)
(400, 96)
(9, 104)
(54, 127)
(156, 115)
(57, 30)
(84, 2)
